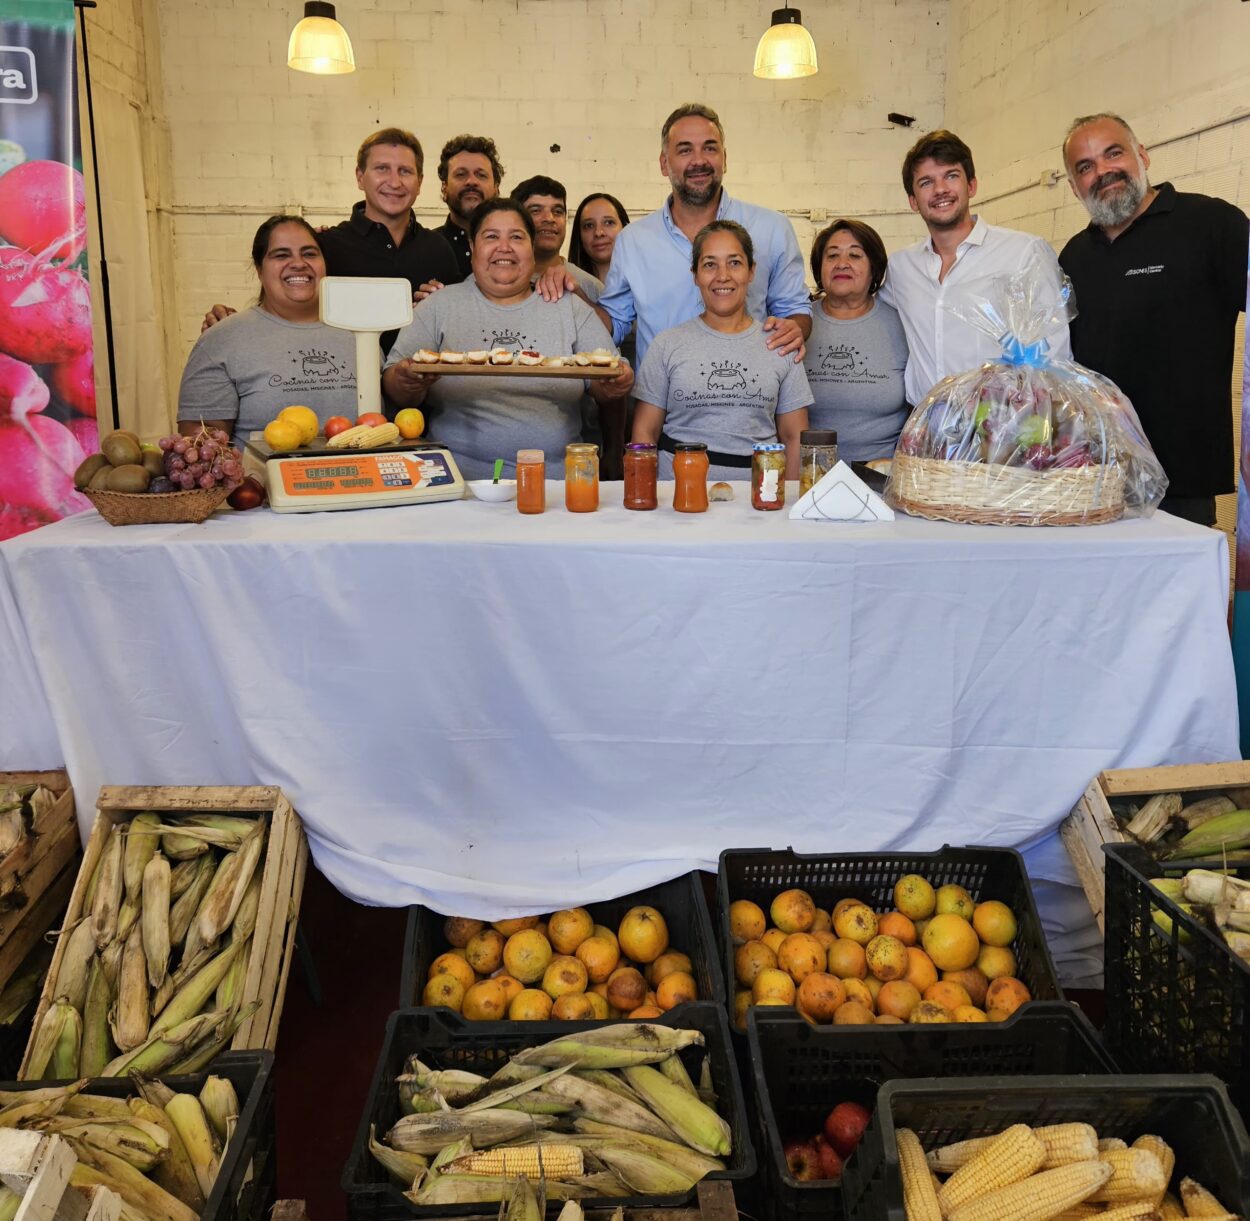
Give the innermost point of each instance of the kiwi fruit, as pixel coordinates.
(153, 462)
(121, 449)
(129, 478)
(87, 468)
(100, 480)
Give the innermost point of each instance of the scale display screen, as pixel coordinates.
(363, 481)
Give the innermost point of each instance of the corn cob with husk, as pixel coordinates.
(188, 1118)
(694, 1122)
(612, 1046)
(55, 1043)
(1226, 832)
(427, 1134)
(155, 927)
(221, 1104)
(108, 890)
(1198, 812)
(174, 1173)
(76, 959)
(1151, 821)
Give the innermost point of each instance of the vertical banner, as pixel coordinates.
(1241, 595)
(47, 384)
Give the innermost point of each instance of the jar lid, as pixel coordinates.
(818, 436)
(641, 447)
(581, 447)
(769, 447)
(690, 447)
(530, 455)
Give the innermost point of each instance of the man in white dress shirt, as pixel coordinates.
(953, 262)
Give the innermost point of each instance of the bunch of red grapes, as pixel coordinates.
(205, 460)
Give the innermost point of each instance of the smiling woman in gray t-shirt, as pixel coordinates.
(713, 379)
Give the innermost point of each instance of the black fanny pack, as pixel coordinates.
(715, 457)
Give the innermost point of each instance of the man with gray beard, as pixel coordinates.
(1160, 277)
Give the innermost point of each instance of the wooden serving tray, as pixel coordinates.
(514, 370)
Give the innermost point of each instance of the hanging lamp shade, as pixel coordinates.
(319, 44)
(786, 50)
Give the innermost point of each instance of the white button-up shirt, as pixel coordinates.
(940, 343)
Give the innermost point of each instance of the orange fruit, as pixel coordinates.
(305, 419)
(742, 1002)
(626, 989)
(566, 930)
(995, 923)
(793, 911)
(458, 930)
(914, 897)
(969, 1013)
(856, 922)
(858, 990)
(846, 959)
(602, 930)
(526, 955)
(887, 957)
(512, 987)
(773, 938)
(1007, 994)
(819, 996)
(800, 955)
(887, 1019)
(444, 989)
(410, 422)
(822, 922)
(895, 924)
(773, 984)
(599, 1003)
(972, 979)
(530, 1005)
(750, 960)
(952, 900)
(897, 999)
(599, 956)
(951, 942)
(644, 1012)
(920, 969)
(948, 994)
(643, 935)
(825, 937)
(282, 436)
(508, 927)
(676, 989)
(485, 951)
(995, 961)
(840, 906)
(486, 1001)
(573, 1007)
(746, 921)
(455, 966)
(874, 985)
(929, 1011)
(852, 1013)
(564, 974)
(666, 964)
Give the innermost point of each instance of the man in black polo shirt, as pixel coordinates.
(1160, 277)
(469, 169)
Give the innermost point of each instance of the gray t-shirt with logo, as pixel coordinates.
(855, 369)
(723, 390)
(252, 364)
(483, 418)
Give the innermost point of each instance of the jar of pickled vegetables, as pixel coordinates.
(690, 467)
(581, 478)
(641, 466)
(818, 455)
(531, 476)
(768, 476)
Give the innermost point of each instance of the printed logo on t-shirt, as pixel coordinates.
(508, 338)
(843, 365)
(315, 369)
(725, 380)
(1152, 270)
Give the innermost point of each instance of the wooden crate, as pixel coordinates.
(282, 885)
(1092, 823)
(37, 876)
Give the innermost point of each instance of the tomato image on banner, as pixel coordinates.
(47, 375)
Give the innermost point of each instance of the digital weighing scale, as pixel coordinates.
(399, 474)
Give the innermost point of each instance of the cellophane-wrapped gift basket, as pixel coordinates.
(1025, 440)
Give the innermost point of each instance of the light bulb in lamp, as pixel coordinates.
(319, 44)
(786, 50)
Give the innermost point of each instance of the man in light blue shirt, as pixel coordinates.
(650, 279)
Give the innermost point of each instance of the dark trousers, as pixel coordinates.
(1199, 509)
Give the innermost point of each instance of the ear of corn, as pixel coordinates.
(363, 436)
(108, 895)
(403, 1167)
(1198, 812)
(427, 1134)
(675, 1071)
(155, 924)
(128, 1017)
(142, 840)
(135, 1189)
(1198, 1201)
(68, 1047)
(46, 1039)
(558, 1161)
(194, 994)
(188, 903)
(127, 917)
(181, 875)
(1170, 1209)
(694, 1122)
(230, 990)
(1141, 1210)
(76, 959)
(1064, 1143)
(221, 1104)
(230, 885)
(644, 1172)
(592, 1135)
(1009, 1157)
(1107, 1144)
(175, 1172)
(1136, 1174)
(191, 1124)
(511, 1092)
(141, 1147)
(245, 918)
(9, 1203)
(97, 1043)
(919, 1198)
(522, 1202)
(163, 1049)
(1039, 1197)
(597, 1103)
(1163, 1151)
(1224, 833)
(1151, 821)
(201, 1053)
(611, 1046)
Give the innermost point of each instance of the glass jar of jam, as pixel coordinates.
(581, 478)
(531, 480)
(641, 466)
(818, 455)
(690, 466)
(768, 476)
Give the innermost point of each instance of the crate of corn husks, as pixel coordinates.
(1186, 811)
(188, 1148)
(633, 1114)
(38, 860)
(179, 934)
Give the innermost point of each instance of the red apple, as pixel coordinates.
(844, 1125)
(827, 1159)
(803, 1160)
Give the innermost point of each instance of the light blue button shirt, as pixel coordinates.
(650, 278)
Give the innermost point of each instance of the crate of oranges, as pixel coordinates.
(637, 956)
(888, 939)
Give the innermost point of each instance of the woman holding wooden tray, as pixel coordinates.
(487, 417)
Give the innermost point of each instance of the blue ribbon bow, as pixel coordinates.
(1016, 353)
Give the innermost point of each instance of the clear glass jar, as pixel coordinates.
(818, 455)
(768, 476)
(641, 469)
(690, 466)
(581, 478)
(531, 481)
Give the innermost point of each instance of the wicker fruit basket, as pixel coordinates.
(150, 508)
(997, 495)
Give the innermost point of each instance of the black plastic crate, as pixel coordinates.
(1178, 1000)
(760, 874)
(1193, 1114)
(443, 1039)
(246, 1179)
(801, 1072)
(680, 901)
(13, 1039)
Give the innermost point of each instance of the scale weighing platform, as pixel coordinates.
(345, 479)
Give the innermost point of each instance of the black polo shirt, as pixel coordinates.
(458, 240)
(363, 247)
(1156, 310)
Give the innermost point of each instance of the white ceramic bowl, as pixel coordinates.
(495, 493)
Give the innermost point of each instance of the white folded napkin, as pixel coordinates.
(841, 496)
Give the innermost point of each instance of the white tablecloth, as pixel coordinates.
(493, 713)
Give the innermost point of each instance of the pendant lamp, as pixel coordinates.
(319, 44)
(786, 49)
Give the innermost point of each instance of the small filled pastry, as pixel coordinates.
(477, 358)
(501, 356)
(720, 491)
(555, 362)
(530, 358)
(601, 358)
(425, 356)
(450, 358)
(582, 359)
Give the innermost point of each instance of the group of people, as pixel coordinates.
(730, 347)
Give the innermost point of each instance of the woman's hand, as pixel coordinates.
(612, 390)
(405, 386)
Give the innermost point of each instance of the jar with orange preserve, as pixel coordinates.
(641, 466)
(690, 466)
(581, 478)
(768, 476)
(531, 477)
